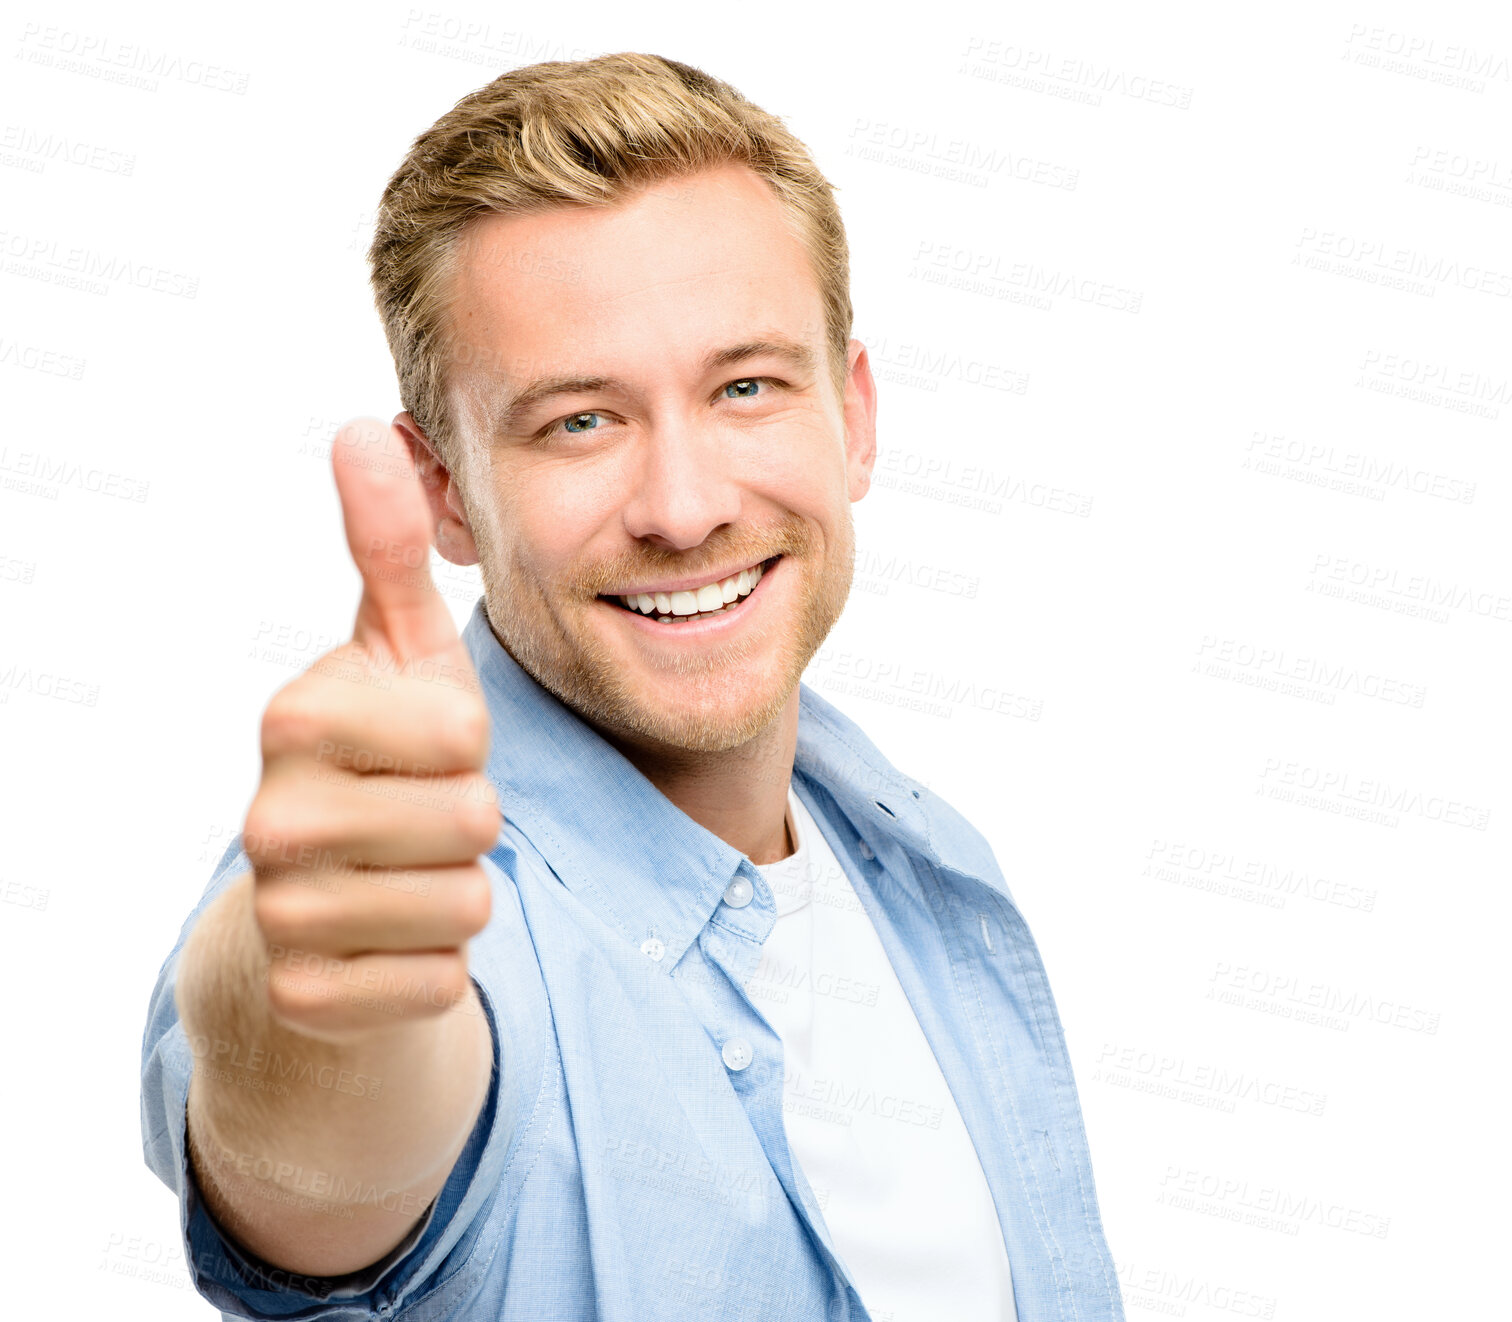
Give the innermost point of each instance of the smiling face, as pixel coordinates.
(646, 409)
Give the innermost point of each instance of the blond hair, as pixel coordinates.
(585, 132)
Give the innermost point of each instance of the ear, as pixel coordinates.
(860, 405)
(453, 534)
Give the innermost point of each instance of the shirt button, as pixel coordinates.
(866, 851)
(738, 893)
(653, 948)
(736, 1052)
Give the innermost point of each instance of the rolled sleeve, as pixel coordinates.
(244, 1286)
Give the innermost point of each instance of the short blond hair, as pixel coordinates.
(585, 132)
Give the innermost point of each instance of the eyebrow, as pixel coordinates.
(518, 405)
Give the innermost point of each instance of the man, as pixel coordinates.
(727, 1017)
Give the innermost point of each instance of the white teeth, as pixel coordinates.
(709, 599)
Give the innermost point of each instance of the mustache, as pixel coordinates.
(733, 548)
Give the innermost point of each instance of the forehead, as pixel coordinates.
(646, 285)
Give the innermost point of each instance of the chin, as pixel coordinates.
(716, 724)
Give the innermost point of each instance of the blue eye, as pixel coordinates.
(578, 424)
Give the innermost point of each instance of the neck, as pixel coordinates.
(739, 794)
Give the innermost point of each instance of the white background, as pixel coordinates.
(1204, 619)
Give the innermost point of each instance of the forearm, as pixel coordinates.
(318, 1156)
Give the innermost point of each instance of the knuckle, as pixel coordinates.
(452, 978)
(475, 729)
(285, 916)
(473, 901)
(465, 735)
(266, 830)
(478, 815)
(290, 722)
(294, 998)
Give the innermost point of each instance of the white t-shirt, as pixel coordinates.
(868, 1115)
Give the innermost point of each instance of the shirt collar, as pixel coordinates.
(641, 863)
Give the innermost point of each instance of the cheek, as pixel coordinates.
(804, 473)
(547, 520)
(814, 489)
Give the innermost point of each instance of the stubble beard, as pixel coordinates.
(575, 665)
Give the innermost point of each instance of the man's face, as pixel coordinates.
(672, 453)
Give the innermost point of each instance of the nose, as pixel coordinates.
(683, 486)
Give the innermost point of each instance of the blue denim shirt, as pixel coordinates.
(620, 1170)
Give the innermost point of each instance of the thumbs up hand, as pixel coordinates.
(388, 526)
(373, 808)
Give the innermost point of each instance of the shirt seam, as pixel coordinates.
(1039, 987)
(1043, 1220)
